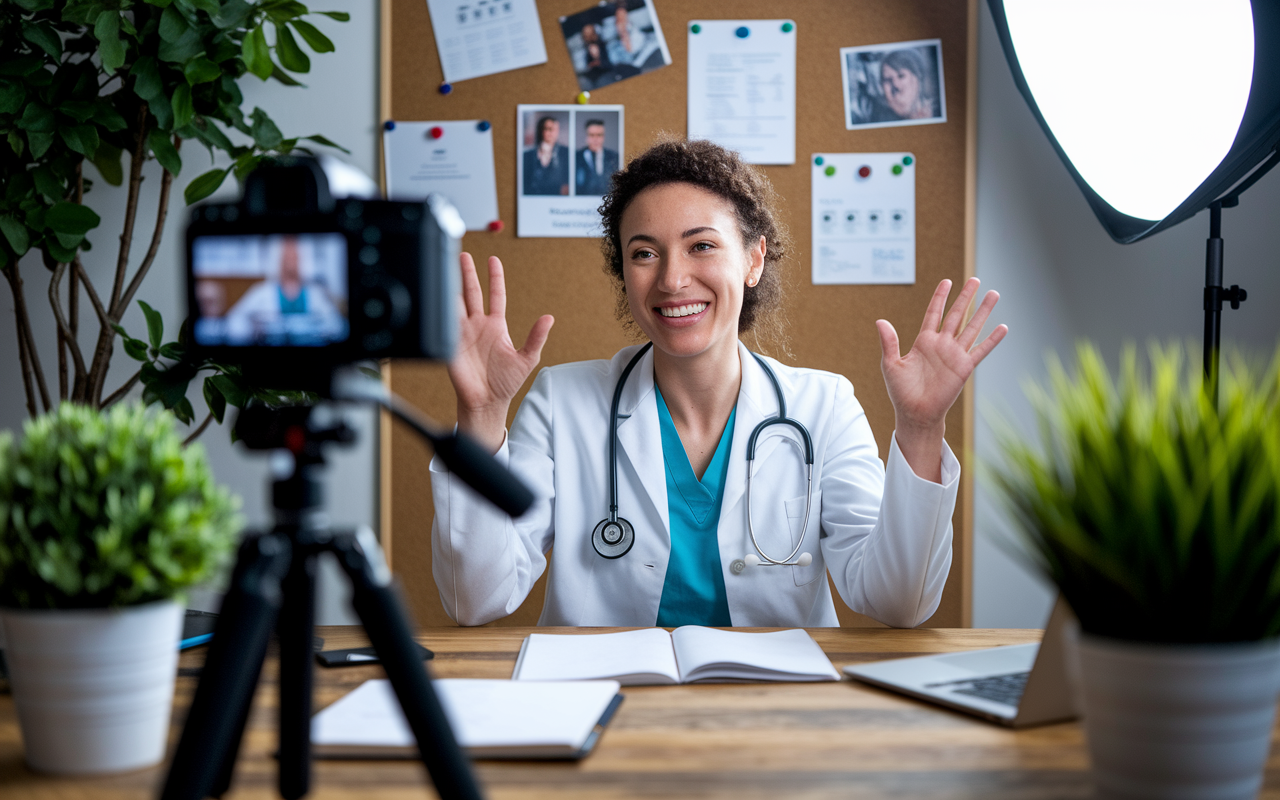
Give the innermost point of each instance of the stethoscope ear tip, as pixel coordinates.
(804, 560)
(751, 560)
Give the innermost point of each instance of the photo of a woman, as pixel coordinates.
(897, 84)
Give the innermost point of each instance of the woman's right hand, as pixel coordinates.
(488, 370)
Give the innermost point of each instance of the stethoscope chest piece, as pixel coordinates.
(613, 538)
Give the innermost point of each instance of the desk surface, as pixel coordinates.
(708, 741)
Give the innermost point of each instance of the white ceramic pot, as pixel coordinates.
(1176, 721)
(93, 687)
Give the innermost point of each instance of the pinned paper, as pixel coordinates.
(864, 218)
(453, 158)
(566, 156)
(742, 87)
(482, 37)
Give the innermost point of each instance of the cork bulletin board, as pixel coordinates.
(832, 327)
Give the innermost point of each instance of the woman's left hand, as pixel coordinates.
(924, 384)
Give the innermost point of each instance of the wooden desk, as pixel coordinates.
(712, 741)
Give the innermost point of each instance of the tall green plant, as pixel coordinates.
(1155, 512)
(91, 81)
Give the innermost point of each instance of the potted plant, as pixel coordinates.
(1156, 511)
(105, 518)
(85, 83)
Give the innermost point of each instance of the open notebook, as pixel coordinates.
(490, 718)
(685, 655)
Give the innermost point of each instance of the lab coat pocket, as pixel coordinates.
(796, 524)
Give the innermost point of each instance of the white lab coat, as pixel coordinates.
(885, 537)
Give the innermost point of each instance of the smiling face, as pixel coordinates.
(685, 268)
(901, 90)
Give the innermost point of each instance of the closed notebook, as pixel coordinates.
(490, 718)
(685, 655)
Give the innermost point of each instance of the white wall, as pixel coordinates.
(341, 103)
(1061, 278)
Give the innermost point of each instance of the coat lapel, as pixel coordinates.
(757, 402)
(640, 436)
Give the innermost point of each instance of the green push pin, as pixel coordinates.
(908, 160)
(695, 28)
(896, 169)
(830, 171)
(818, 160)
(787, 27)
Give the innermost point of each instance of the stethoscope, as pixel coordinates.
(614, 536)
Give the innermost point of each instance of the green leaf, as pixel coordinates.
(284, 77)
(211, 134)
(232, 14)
(317, 40)
(291, 56)
(183, 411)
(201, 70)
(183, 110)
(59, 253)
(136, 349)
(15, 142)
(232, 389)
(34, 5)
(172, 350)
(256, 54)
(71, 241)
(79, 110)
(107, 31)
(214, 398)
(155, 324)
(48, 184)
(15, 233)
(209, 7)
(82, 139)
(172, 24)
(282, 10)
(318, 139)
(68, 217)
(183, 49)
(204, 185)
(12, 94)
(42, 35)
(146, 78)
(37, 118)
(160, 3)
(106, 115)
(245, 164)
(264, 131)
(163, 112)
(21, 66)
(107, 160)
(165, 152)
(39, 143)
(340, 16)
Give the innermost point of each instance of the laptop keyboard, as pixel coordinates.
(1005, 689)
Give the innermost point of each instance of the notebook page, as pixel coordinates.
(633, 658)
(707, 653)
(484, 713)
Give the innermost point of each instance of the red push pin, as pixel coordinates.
(864, 171)
(437, 132)
(496, 226)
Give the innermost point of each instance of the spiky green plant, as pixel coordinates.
(1156, 514)
(107, 508)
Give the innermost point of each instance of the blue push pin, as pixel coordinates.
(445, 88)
(742, 32)
(483, 125)
(389, 125)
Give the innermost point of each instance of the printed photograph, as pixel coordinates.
(893, 84)
(545, 158)
(613, 41)
(598, 139)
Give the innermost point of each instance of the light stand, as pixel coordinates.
(1214, 292)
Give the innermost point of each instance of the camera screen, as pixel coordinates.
(275, 290)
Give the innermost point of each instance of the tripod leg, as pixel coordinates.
(211, 735)
(295, 630)
(385, 620)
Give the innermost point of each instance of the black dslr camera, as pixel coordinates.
(292, 282)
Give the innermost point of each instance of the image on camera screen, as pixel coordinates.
(272, 290)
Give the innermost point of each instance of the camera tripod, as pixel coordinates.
(274, 582)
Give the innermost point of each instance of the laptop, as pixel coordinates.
(1017, 686)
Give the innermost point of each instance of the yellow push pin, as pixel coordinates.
(583, 98)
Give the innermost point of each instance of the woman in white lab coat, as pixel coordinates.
(693, 243)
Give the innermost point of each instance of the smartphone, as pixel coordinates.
(359, 656)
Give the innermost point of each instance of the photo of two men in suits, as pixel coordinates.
(595, 147)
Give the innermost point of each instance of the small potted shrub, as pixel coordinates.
(105, 518)
(1156, 511)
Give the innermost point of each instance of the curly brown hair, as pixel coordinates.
(708, 166)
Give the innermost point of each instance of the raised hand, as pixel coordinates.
(488, 370)
(924, 384)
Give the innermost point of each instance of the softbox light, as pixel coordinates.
(1158, 108)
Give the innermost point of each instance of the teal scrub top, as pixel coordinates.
(693, 593)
